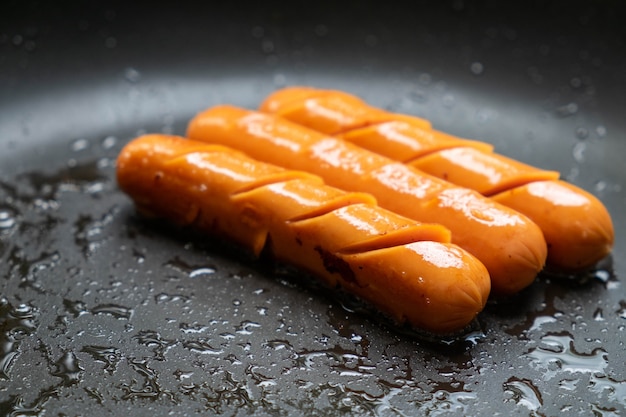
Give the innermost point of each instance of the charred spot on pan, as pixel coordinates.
(334, 264)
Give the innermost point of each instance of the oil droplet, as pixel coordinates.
(582, 133)
(258, 32)
(7, 219)
(568, 384)
(110, 356)
(567, 110)
(132, 75)
(371, 40)
(616, 390)
(202, 346)
(600, 186)
(76, 308)
(280, 80)
(598, 315)
(425, 79)
(192, 328)
(621, 313)
(535, 75)
(110, 42)
(15, 323)
(259, 379)
(182, 375)
(246, 326)
(151, 387)
(15, 406)
(448, 101)
(153, 339)
(194, 271)
(168, 298)
(201, 271)
(109, 142)
(484, 115)
(79, 145)
(321, 30)
(540, 321)
(8, 352)
(68, 368)
(579, 152)
(115, 310)
(95, 394)
(576, 82)
(523, 392)
(477, 68)
(279, 344)
(557, 354)
(448, 401)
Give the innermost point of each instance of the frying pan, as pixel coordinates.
(105, 313)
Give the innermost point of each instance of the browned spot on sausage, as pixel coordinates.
(334, 264)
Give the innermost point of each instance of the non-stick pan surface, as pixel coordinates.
(104, 313)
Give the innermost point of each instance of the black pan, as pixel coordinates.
(103, 313)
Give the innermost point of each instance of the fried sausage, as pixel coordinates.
(576, 225)
(506, 242)
(409, 270)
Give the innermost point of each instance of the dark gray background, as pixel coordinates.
(102, 313)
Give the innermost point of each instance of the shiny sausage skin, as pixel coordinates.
(507, 243)
(407, 269)
(576, 225)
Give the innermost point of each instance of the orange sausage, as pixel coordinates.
(576, 225)
(506, 242)
(340, 111)
(408, 270)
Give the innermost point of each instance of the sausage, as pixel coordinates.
(409, 270)
(507, 243)
(340, 112)
(576, 225)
